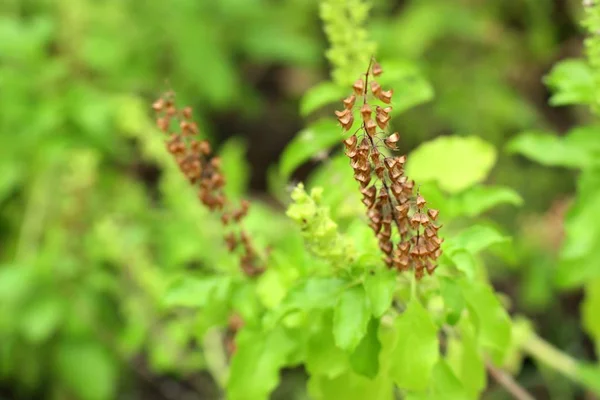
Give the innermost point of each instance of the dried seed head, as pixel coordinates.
(349, 102)
(385, 96)
(391, 141)
(365, 112)
(433, 214)
(359, 87)
(371, 127)
(345, 118)
(377, 70)
(171, 111)
(382, 121)
(385, 111)
(163, 124)
(393, 205)
(203, 170)
(375, 88)
(187, 112)
(158, 105)
(351, 142)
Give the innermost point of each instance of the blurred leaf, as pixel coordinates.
(41, 319)
(87, 369)
(323, 357)
(195, 292)
(549, 149)
(590, 311)
(466, 361)
(235, 167)
(15, 282)
(271, 289)
(313, 293)
(365, 358)
(245, 302)
(409, 85)
(380, 286)
(10, 175)
(479, 199)
(464, 261)
(319, 136)
(273, 42)
(493, 325)
(589, 375)
(256, 363)
(417, 348)
(578, 257)
(454, 302)
(351, 386)
(444, 385)
(521, 332)
(572, 82)
(455, 162)
(475, 239)
(320, 95)
(350, 318)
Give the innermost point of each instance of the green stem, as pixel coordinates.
(561, 362)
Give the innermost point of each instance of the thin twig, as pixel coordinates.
(508, 383)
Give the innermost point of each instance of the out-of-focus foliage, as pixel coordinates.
(112, 274)
(576, 82)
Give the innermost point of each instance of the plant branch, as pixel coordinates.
(508, 382)
(552, 357)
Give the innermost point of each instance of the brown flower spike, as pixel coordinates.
(387, 192)
(203, 171)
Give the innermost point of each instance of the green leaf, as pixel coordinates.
(245, 301)
(590, 311)
(88, 370)
(42, 318)
(350, 318)
(491, 320)
(310, 294)
(256, 363)
(195, 292)
(380, 287)
(315, 293)
(589, 375)
(235, 167)
(271, 288)
(464, 262)
(476, 238)
(521, 332)
(365, 358)
(16, 282)
(455, 162)
(480, 199)
(308, 143)
(273, 42)
(417, 348)
(444, 385)
(572, 82)
(322, 94)
(466, 361)
(578, 258)
(323, 357)
(551, 150)
(454, 302)
(410, 86)
(350, 386)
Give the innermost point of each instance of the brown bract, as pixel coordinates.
(203, 170)
(390, 198)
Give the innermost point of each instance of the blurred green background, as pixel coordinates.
(94, 219)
